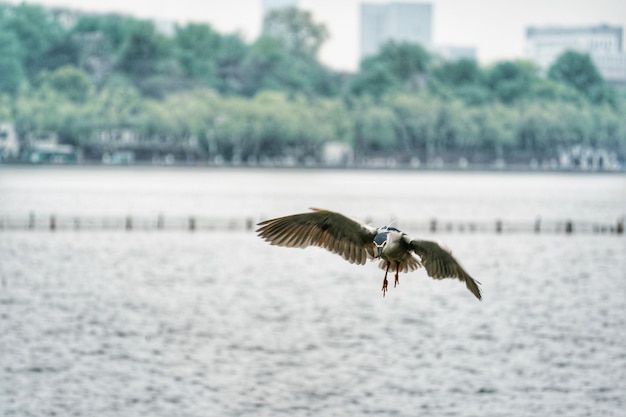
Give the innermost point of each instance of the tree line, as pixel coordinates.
(88, 77)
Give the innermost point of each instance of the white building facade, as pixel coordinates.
(603, 43)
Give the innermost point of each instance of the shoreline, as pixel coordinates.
(476, 168)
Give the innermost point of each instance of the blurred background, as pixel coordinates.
(141, 142)
(531, 86)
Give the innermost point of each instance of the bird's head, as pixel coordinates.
(380, 240)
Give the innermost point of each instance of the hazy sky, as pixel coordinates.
(495, 27)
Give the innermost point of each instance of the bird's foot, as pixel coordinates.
(396, 280)
(385, 282)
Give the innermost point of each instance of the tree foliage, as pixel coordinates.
(197, 47)
(397, 66)
(296, 30)
(510, 81)
(37, 34)
(107, 77)
(11, 68)
(578, 71)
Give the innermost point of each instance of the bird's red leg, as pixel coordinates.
(385, 279)
(397, 280)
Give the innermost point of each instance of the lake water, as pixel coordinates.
(218, 323)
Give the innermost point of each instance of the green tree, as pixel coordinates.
(6, 108)
(417, 116)
(577, 70)
(374, 130)
(36, 33)
(229, 64)
(461, 78)
(266, 66)
(63, 51)
(197, 46)
(546, 89)
(396, 65)
(494, 129)
(296, 30)
(291, 40)
(117, 104)
(407, 62)
(459, 72)
(41, 110)
(375, 80)
(114, 28)
(144, 51)
(11, 71)
(510, 81)
(71, 82)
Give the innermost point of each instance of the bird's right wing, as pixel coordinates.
(440, 263)
(353, 240)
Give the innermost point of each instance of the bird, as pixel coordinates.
(358, 242)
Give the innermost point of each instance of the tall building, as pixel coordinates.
(269, 5)
(398, 21)
(603, 43)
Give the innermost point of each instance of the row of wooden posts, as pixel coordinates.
(193, 223)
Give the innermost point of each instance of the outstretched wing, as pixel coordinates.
(440, 263)
(329, 230)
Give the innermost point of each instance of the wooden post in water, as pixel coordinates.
(498, 226)
(129, 223)
(249, 223)
(433, 225)
(53, 223)
(620, 227)
(160, 222)
(569, 227)
(538, 225)
(192, 224)
(31, 220)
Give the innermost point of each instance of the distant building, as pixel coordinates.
(337, 154)
(603, 43)
(269, 5)
(454, 53)
(45, 148)
(397, 21)
(9, 144)
(125, 146)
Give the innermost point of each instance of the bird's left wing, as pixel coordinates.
(327, 229)
(440, 263)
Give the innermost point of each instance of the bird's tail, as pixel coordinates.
(408, 265)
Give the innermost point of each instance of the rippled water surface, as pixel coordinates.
(173, 323)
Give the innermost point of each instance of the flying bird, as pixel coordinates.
(357, 242)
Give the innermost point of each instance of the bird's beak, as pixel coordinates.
(380, 251)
